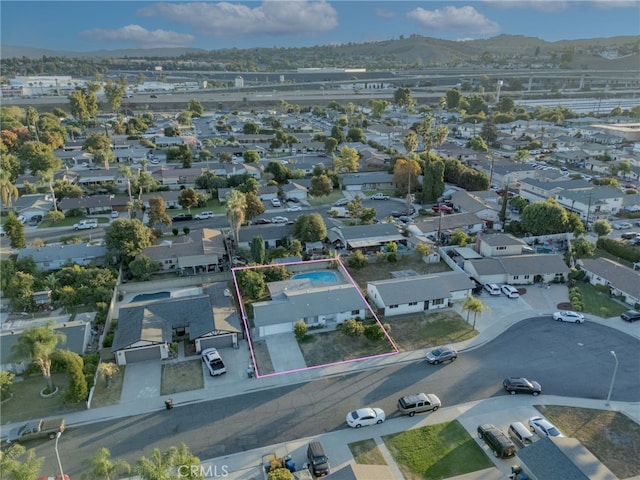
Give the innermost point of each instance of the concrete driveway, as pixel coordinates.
(142, 380)
(285, 352)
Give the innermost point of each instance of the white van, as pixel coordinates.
(509, 291)
(520, 434)
(492, 288)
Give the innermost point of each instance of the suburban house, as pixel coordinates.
(93, 204)
(366, 181)
(325, 305)
(200, 251)
(78, 337)
(294, 190)
(145, 329)
(447, 224)
(499, 245)
(176, 177)
(518, 269)
(170, 199)
(486, 205)
(32, 205)
(368, 238)
(561, 457)
(535, 190)
(53, 257)
(598, 202)
(623, 281)
(268, 192)
(397, 296)
(274, 235)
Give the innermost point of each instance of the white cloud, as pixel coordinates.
(465, 20)
(140, 36)
(272, 17)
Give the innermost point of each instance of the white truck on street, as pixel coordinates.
(86, 224)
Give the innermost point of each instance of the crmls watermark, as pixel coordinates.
(206, 471)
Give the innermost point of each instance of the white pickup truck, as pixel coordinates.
(86, 225)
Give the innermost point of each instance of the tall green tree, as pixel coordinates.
(310, 228)
(236, 212)
(347, 160)
(126, 238)
(195, 107)
(14, 229)
(433, 180)
(188, 198)
(321, 186)
(114, 92)
(544, 218)
(77, 390)
(102, 467)
(36, 345)
(258, 250)
(404, 98)
(254, 206)
(355, 208)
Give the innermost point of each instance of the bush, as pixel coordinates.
(373, 332)
(619, 249)
(352, 328)
(392, 257)
(300, 330)
(357, 259)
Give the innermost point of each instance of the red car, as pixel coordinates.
(442, 208)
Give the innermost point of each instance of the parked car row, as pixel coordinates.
(518, 435)
(508, 290)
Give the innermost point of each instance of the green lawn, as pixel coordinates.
(599, 303)
(366, 452)
(328, 200)
(436, 451)
(70, 221)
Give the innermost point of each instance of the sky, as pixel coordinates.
(82, 25)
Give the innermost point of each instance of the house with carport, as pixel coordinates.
(368, 238)
(53, 257)
(623, 281)
(324, 305)
(418, 293)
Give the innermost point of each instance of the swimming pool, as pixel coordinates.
(145, 297)
(324, 276)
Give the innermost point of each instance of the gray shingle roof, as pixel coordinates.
(55, 253)
(534, 264)
(301, 303)
(501, 240)
(563, 458)
(619, 276)
(153, 321)
(400, 291)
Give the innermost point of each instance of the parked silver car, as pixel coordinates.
(441, 354)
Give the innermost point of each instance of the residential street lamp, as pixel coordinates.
(62, 477)
(613, 378)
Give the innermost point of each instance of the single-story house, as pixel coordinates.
(561, 457)
(78, 336)
(94, 204)
(467, 222)
(397, 296)
(366, 181)
(518, 269)
(146, 329)
(499, 245)
(199, 252)
(274, 235)
(54, 257)
(623, 281)
(268, 192)
(295, 190)
(299, 299)
(365, 237)
(32, 205)
(486, 205)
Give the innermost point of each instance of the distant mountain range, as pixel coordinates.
(413, 49)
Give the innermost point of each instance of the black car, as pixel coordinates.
(182, 217)
(630, 316)
(515, 385)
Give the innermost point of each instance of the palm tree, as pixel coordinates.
(45, 177)
(475, 306)
(107, 370)
(37, 344)
(15, 466)
(154, 468)
(102, 467)
(8, 191)
(182, 458)
(236, 212)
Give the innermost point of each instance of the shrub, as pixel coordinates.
(6, 382)
(373, 332)
(392, 257)
(619, 249)
(300, 330)
(352, 328)
(357, 259)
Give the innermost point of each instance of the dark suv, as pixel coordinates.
(497, 441)
(318, 461)
(182, 217)
(515, 385)
(630, 316)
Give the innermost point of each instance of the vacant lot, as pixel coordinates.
(366, 452)
(381, 270)
(181, 377)
(329, 347)
(436, 451)
(611, 436)
(421, 330)
(27, 404)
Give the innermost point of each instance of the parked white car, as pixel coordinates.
(622, 226)
(568, 316)
(543, 427)
(294, 208)
(86, 225)
(275, 202)
(365, 416)
(509, 291)
(204, 215)
(279, 220)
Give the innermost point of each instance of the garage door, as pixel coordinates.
(143, 354)
(274, 329)
(219, 341)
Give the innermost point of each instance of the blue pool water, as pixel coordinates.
(145, 297)
(319, 277)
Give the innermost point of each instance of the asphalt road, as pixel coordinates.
(567, 359)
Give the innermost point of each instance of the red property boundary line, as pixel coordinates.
(342, 362)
